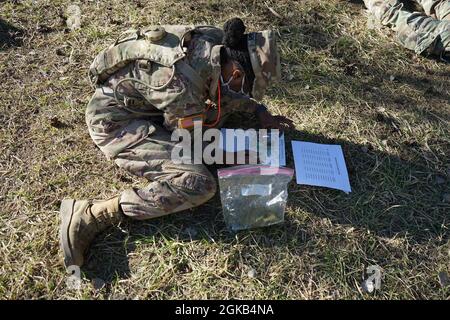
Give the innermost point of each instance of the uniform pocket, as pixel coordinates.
(111, 144)
(157, 75)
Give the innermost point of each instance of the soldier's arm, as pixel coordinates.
(266, 119)
(239, 103)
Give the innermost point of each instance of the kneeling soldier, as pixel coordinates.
(150, 82)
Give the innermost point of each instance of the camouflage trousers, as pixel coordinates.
(424, 33)
(143, 148)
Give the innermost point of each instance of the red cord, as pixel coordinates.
(219, 93)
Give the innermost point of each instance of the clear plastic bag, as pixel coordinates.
(253, 195)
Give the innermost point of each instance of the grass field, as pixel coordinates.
(342, 83)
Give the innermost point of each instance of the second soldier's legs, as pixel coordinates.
(439, 9)
(414, 30)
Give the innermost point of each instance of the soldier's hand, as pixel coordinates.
(269, 121)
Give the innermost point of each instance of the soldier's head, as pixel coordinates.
(250, 62)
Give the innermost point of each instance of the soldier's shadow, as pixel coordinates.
(10, 36)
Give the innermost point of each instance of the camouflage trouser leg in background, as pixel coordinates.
(143, 148)
(439, 9)
(415, 31)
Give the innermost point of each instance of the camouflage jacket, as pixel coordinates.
(180, 96)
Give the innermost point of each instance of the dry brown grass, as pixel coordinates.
(337, 87)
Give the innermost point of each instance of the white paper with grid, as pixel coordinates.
(320, 165)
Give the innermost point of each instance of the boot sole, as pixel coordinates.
(66, 212)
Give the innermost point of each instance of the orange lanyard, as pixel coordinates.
(219, 93)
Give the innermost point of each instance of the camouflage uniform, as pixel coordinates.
(134, 129)
(416, 31)
(439, 9)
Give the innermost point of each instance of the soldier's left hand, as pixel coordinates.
(268, 121)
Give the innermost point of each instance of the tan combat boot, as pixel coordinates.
(81, 221)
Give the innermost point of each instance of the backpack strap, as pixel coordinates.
(191, 74)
